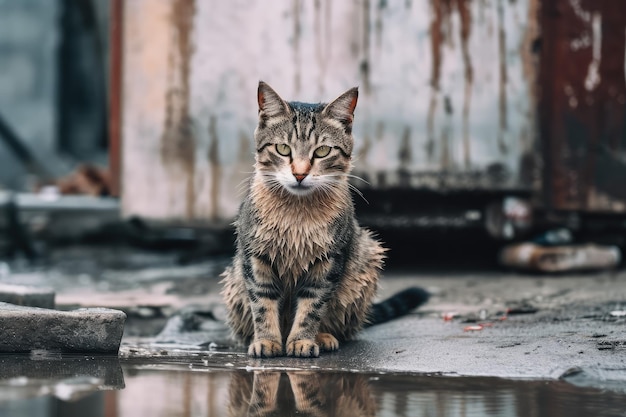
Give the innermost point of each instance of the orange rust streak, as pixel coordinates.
(178, 143)
(115, 93)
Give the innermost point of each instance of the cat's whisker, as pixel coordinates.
(356, 177)
(358, 192)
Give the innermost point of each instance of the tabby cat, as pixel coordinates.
(304, 273)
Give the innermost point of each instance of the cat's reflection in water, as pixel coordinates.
(299, 394)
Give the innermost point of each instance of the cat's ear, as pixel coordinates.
(270, 103)
(342, 108)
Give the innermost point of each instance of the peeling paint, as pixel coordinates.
(178, 143)
(584, 15)
(593, 75)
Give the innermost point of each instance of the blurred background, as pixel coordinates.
(483, 126)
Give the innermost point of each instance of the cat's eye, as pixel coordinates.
(283, 149)
(322, 151)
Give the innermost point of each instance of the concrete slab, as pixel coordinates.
(92, 330)
(27, 296)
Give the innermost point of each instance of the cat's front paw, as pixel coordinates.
(265, 348)
(303, 348)
(327, 342)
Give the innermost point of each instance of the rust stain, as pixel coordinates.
(297, 33)
(529, 162)
(321, 29)
(466, 25)
(502, 103)
(405, 158)
(405, 153)
(436, 38)
(178, 143)
(527, 51)
(445, 136)
(380, 131)
(440, 33)
(582, 108)
(382, 4)
(329, 26)
(364, 67)
(364, 150)
(245, 152)
(319, 56)
(116, 42)
(215, 168)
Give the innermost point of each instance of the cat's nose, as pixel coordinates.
(299, 177)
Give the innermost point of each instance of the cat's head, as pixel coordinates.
(304, 148)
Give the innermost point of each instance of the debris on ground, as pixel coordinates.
(565, 258)
(196, 326)
(473, 328)
(87, 179)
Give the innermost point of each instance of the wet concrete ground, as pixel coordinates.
(487, 324)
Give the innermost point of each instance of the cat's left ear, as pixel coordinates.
(342, 108)
(270, 103)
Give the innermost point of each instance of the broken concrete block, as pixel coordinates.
(27, 296)
(89, 330)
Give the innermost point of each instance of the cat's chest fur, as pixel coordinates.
(294, 233)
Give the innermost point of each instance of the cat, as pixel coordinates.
(304, 273)
(315, 394)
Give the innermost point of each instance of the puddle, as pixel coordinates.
(72, 386)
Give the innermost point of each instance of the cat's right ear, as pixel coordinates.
(270, 103)
(342, 108)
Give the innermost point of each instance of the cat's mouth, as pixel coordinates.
(300, 188)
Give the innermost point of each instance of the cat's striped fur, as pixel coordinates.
(304, 274)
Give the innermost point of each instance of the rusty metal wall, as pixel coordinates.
(446, 93)
(583, 104)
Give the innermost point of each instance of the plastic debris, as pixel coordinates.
(473, 328)
(449, 316)
(618, 313)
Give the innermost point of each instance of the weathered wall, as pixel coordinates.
(446, 92)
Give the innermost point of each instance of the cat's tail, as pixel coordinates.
(397, 305)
